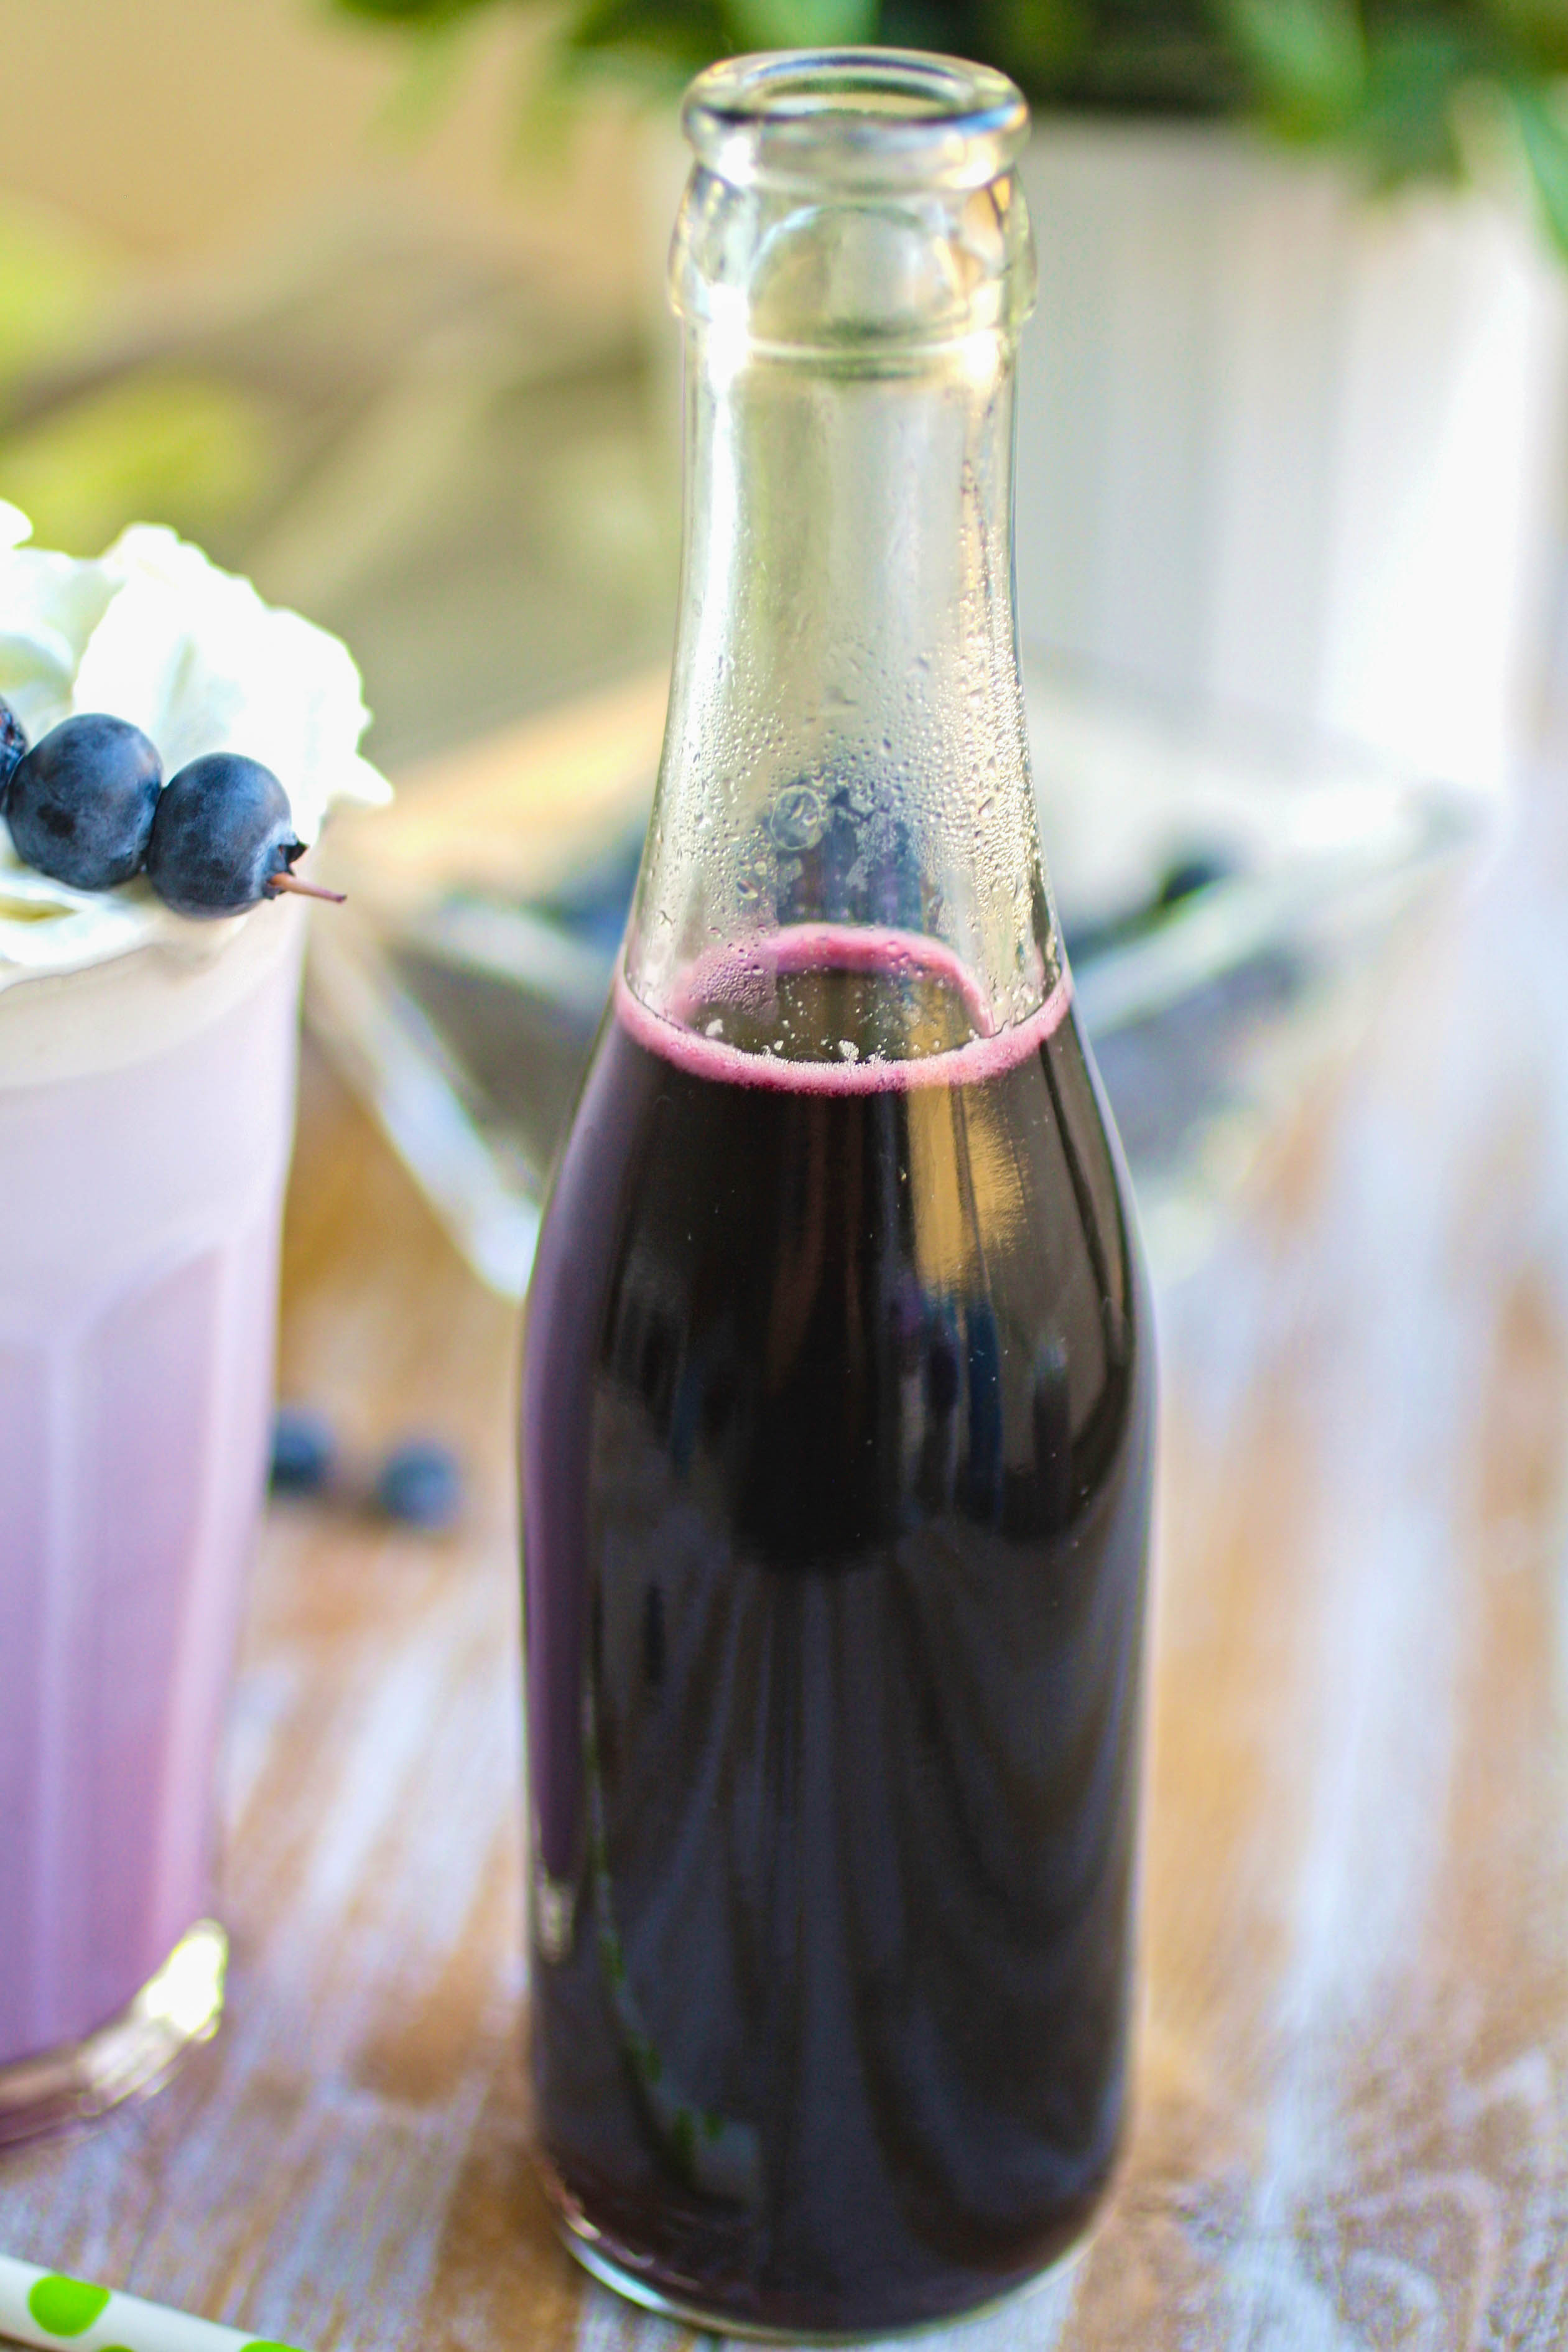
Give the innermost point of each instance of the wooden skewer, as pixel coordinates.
(286, 881)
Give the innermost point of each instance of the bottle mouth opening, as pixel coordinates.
(858, 118)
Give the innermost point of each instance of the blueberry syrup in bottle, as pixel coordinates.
(837, 1414)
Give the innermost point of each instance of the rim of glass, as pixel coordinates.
(855, 118)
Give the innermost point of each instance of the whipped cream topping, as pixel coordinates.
(151, 632)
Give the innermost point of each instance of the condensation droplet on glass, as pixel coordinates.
(797, 817)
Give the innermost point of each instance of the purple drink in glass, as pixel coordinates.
(836, 1436)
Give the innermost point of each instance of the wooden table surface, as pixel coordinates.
(1354, 2058)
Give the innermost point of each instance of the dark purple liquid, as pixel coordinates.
(836, 1461)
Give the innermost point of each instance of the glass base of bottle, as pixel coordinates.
(616, 2267)
(131, 2056)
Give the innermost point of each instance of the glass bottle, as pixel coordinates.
(837, 1387)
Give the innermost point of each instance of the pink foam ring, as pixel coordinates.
(838, 947)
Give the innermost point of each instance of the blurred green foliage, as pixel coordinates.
(84, 447)
(1397, 85)
(182, 448)
(53, 282)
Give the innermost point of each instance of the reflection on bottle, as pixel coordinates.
(1037, 1499)
(555, 1911)
(654, 1637)
(717, 2157)
(845, 868)
(983, 1496)
(685, 1413)
(938, 1458)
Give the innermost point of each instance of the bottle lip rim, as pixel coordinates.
(855, 118)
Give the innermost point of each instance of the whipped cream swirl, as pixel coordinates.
(154, 633)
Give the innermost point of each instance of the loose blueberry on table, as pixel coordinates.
(421, 1483)
(304, 1452)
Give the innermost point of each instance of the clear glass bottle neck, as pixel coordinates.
(846, 744)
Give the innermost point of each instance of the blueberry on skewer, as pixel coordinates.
(80, 802)
(224, 839)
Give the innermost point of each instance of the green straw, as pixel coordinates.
(44, 2308)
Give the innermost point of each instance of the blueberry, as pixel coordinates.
(13, 744)
(421, 1483)
(80, 802)
(221, 835)
(304, 1452)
